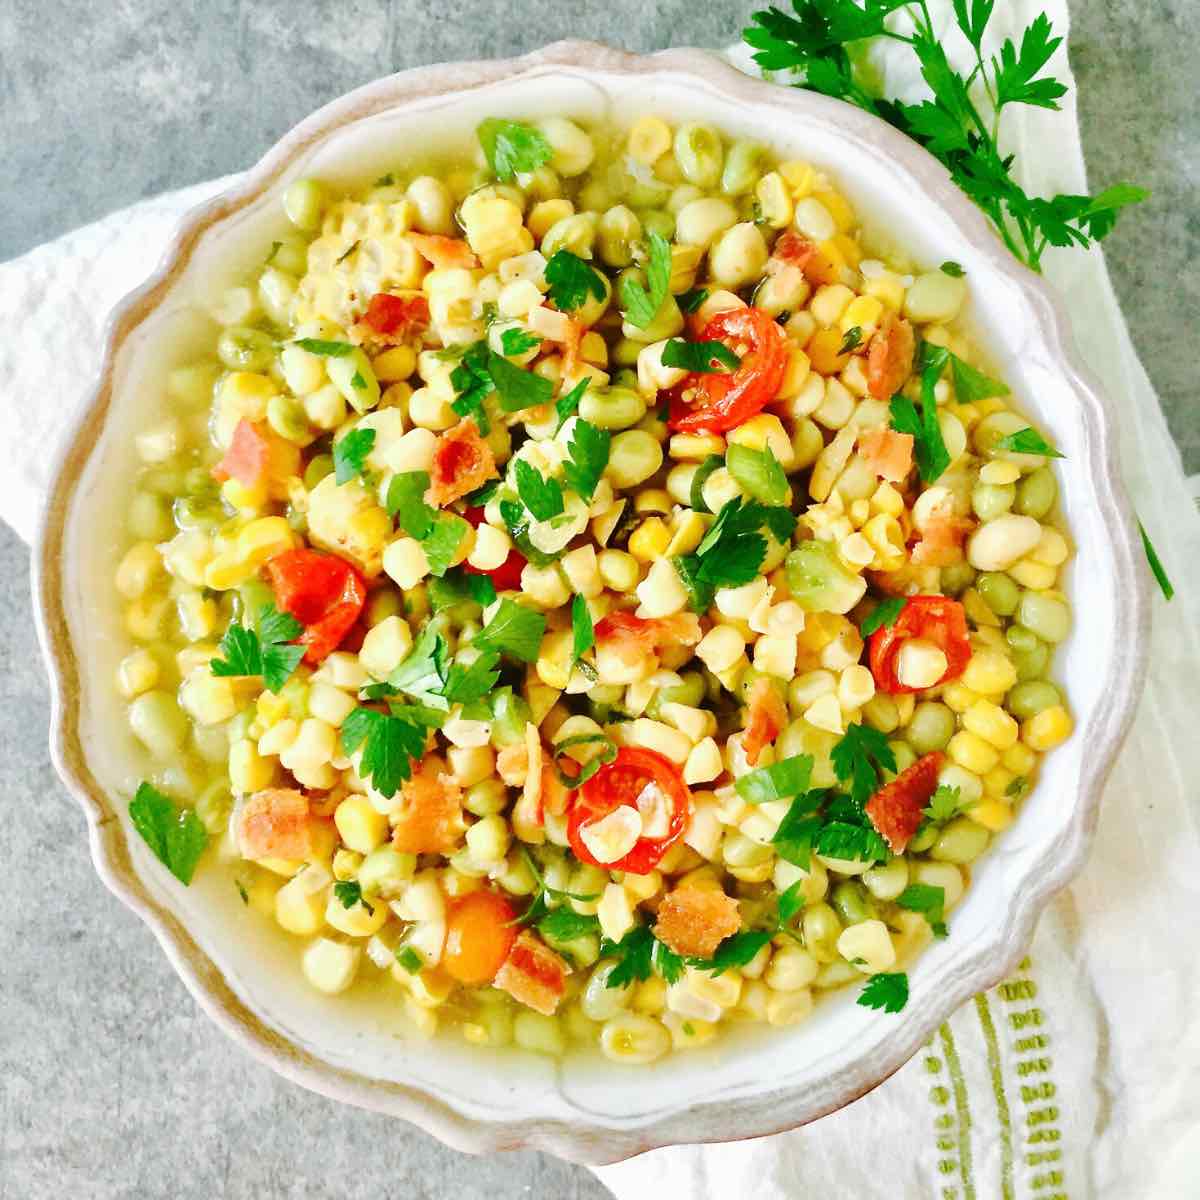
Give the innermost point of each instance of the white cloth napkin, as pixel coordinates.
(1076, 1078)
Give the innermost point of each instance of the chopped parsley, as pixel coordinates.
(391, 741)
(516, 387)
(406, 502)
(641, 304)
(888, 991)
(410, 960)
(583, 633)
(883, 615)
(759, 474)
(348, 893)
(542, 496)
(515, 342)
(1017, 787)
(691, 300)
(514, 630)
(465, 685)
(350, 454)
(638, 954)
(928, 900)
(852, 340)
(442, 542)
(565, 925)
(779, 781)
(512, 148)
(950, 267)
(589, 448)
(571, 281)
(261, 651)
(538, 908)
(943, 804)
(1156, 567)
(568, 404)
(860, 757)
(699, 357)
(325, 348)
(1028, 441)
(176, 836)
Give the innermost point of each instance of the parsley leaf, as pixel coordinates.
(1017, 787)
(565, 925)
(883, 615)
(514, 630)
(589, 448)
(888, 991)
(759, 474)
(516, 520)
(797, 832)
(779, 781)
(571, 281)
(732, 551)
(516, 387)
(1028, 441)
(512, 148)
(410, 960)
(699, 357)
(740, 948)
(943, 804)
(350, 454)
(853, 841)
(472, 384)
(641, 304)
(583, 633)
(443, 540)
(406, 502)
(860, 757)
(176, 836)
(515, 342)
(325, 349)
(568, 404)
(348, 893)
(422, 674)
(950, 267)
(1014, 72)
(852, 340)
(928, 447)
(541, 496)
(971, 385)
(466, 684)
(250, 652)
(1156, 567)
(927, 900)
(390, 743)
(633, 954)
(691, 300)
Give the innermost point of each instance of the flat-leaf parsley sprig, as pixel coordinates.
(959, 124)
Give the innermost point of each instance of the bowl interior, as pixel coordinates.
(792, 1073)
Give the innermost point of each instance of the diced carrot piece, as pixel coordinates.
(895, 810)
(443, 251)
(941, 541)
(765, 719)
(694, 921)
(462, 461)
(275, 823)
(248, 457)
(429, 819)
(533, 974)
(890, 358)
(888, 453)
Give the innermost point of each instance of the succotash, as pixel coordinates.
(589, 596)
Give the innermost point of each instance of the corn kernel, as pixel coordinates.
(989, 672)
(249, 771)
(990, 722)
(995, 815)
(864, 313)
(1049, 728)
(801, 177)
(761, 432)
(137, 673)
(958, 697)
(652, 500)
(972, 753)
(650, 540)
(695, 447)
(1020, 759)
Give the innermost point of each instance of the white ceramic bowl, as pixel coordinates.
(587, 1109)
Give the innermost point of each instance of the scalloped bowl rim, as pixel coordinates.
(712, 1117)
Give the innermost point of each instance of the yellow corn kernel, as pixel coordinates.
(594, 349)
(844, 250)
(244, 499)
(978, 611)
(1051, 727)
(1036, 576)
(689, 530)
(358, 920)
(650, 996)
(652, 500)
(137, 673)
(649, 140)
(886, 538)
(300, 903)
(997, 780)
(864, 312)
(394, 364)
(839, 209)
(991, 814)
(546, 214)
(618, 570)
(990, 722)
(360, 825)
(989, 672)
(695, 447)
(800, 177)
(650, 540)
(765, 431)
(1020, 759)
(249, 771)
(972, 753)
(271, 707)
(554, 659)
(774, 200)
(860, 511)
(888, 288)
(887, 500)
(823, 352)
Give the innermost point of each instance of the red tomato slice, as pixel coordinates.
(620, 783)
(935, 618)
(718, 403)
(507, 576)
(396, 316)
(895, 810)
(632, 637)
(248, 456)
(323, 592)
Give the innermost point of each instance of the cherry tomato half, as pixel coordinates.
(620, 783)
(479, 934)
(396, 316)
(934, 618)
(895, 810)
(719, 402)
(323, 592)
(507, 576)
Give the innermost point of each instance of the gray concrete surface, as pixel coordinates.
(112, 1084)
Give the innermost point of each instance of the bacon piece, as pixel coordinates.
(429, 819)
(795, 250)
(632, 638)
(694, 921)
(462, 461)
(443, 251)
(888, 453)
(533, 974)
(248, 457)
(941, 541)
(275, 823)
(394, 319)
(890, 357)
(765, 719)
(895, 810)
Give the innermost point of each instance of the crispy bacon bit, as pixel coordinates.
(394, 319)
(443, 251)
(794, 249)
(632, 638)
(429, 819)
(765, 719)
(895, 810)
(941, 541)
(462, 461)
(533, 974)
(571, 344)
(694, 921)
(248, 457)
(275, 823)
(888, 453)
(890, 358)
